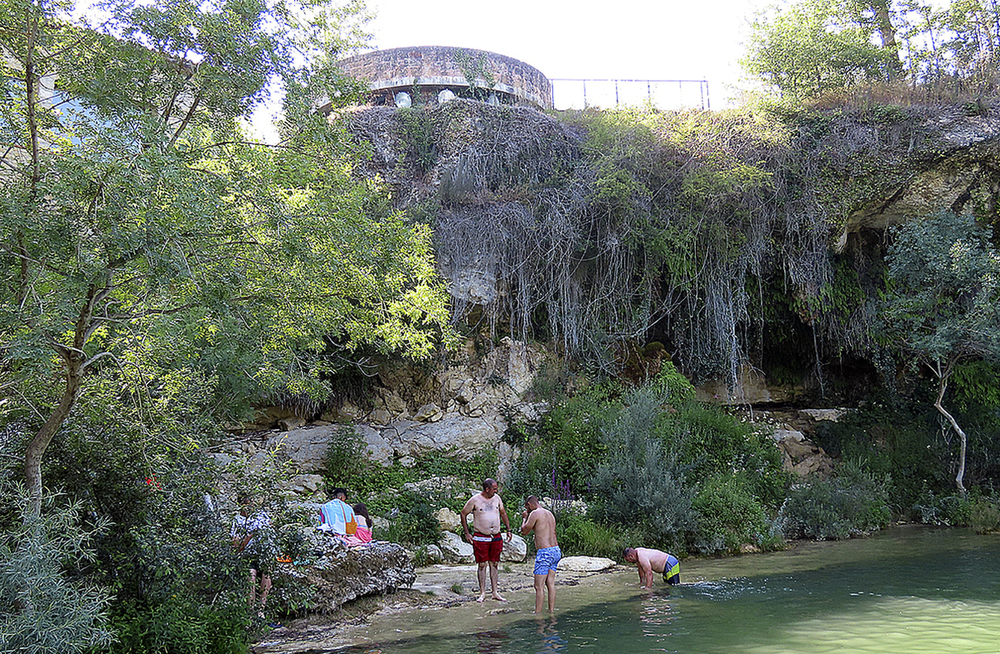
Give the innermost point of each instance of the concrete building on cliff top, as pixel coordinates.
(435, 74)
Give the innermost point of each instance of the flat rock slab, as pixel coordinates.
(585, 564)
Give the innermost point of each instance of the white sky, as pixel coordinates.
(626, 39)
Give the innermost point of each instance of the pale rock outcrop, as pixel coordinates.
(454, 549)
(395, 429)
(268, 417)
(392, 402)
(801, 456)
(515, 550)
(585, 564)
(465, 392)
(448, 520)
(459, 411)
(433, 554)
(831, 415)
(380, 418)
(429, 413)
(303, 484)
(346, 412)
(341, 574)
(379, 448)
(291, 422)
(306, 447)
(454, 435)
(751, 388)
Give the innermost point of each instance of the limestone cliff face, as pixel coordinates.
(943, 160)
(459, 409)
(652, 228)
(796, 198)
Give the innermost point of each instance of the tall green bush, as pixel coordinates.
(46, 606)
(850, 503)
(638, 482)
(346, 459)
(729, 516)
(712, 442)
(558, 456)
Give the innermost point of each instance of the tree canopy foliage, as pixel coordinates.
(943, 305)
(810, 47)
(143, 236)
(815, 46)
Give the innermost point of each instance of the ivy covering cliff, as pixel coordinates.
(753, 237)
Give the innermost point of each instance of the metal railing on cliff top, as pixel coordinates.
(607, 93)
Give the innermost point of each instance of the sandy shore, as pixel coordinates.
(442, 601)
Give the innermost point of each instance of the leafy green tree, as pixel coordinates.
(972, 42)
(942, 304)
(815, 46)
(137, 217)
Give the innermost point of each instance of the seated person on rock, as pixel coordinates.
(337, 516)
(364, 532)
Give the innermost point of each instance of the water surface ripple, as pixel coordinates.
(906, 591)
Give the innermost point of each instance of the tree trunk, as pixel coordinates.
(887, 33)
(942, 387)
(74, 365)
(883, 23)
(38, 445)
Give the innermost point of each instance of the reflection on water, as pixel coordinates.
(491, 642)
(551, 640)
(905, 592)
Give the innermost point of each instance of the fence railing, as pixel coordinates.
(607, 93)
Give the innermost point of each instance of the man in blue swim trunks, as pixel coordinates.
(649, 561)
(547, 552)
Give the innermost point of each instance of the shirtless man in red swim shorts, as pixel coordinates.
(487, 511)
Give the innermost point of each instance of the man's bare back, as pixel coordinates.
(548, 554)
(655, 559)
(544, 524)
(648, 561)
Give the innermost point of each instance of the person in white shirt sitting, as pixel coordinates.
(337, 515)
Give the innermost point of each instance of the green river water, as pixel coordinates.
(907, 591)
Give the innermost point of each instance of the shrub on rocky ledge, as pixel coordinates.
(850, 503)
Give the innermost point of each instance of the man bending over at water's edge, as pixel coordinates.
(487, 511)
(649, 561)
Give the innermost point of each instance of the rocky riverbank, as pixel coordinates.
(453, 588)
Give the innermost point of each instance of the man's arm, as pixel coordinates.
(466, 510)
(645, 571)
(506, 520)
(529, 524)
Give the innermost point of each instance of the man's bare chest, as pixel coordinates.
(487, 506)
